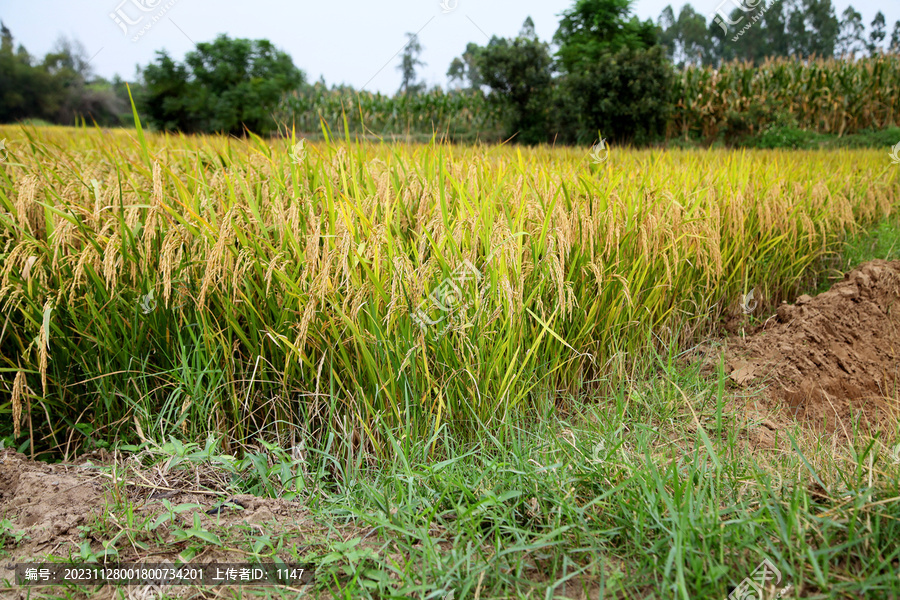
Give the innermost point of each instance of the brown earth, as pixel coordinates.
(60, 506)
(831, 359)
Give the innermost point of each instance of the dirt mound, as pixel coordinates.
(831, 357)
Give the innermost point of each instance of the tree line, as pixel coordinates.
(605, 72)
(772, 28)
(60, 88)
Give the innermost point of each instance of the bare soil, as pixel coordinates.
(59, 507)
(831, 360)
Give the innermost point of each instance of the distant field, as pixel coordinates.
(156, 285)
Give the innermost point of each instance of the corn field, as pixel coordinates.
(458, 116)
(184, 285)
(826, 96)
(739, 98)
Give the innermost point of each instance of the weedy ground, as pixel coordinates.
(544, 437)
(657, 492)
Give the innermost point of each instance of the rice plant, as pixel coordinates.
(155, 284)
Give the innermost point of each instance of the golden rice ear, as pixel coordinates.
(44, 345)
(308, 314)
(216, 265)
(169, 257)
(270, 270)
(112, 260)
(150, 230)
(18, 393)
(23, 198)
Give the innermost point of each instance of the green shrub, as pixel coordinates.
(625, 96)
(223, 86)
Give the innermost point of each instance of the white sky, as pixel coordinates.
(346, 41)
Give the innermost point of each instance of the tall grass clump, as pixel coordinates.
(154, 284)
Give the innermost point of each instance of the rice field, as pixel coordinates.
(155, 284)
(458, 366)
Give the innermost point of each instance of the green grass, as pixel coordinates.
(795, 138)
(650, 493)
(882, 241)
(791, 137)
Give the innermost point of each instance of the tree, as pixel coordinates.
(26, 91)
(527, 31)
(850, 37)
(593, 28)
(695, 42)
(166, 100)
(463, 69)
(409, 62)
(81, 96)
(55, 89)
(615, 76)
(519, 73)
(895, 38)
(72, 55)
(813, 28)
(228, 85)
(877, 35)
(775, 25)
(456, 73)
(686, 38)
(625, 96)
(667, 35)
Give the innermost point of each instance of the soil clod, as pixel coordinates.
(832, 357)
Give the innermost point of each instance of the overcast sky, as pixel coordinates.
(346, 41)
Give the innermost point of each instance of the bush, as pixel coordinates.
(224, 86)
(784, 137)
(520, 74)
(625, 96)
